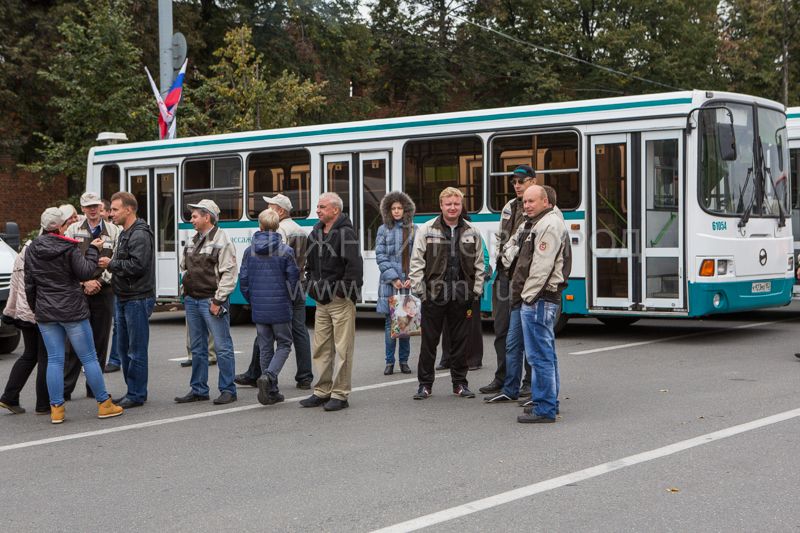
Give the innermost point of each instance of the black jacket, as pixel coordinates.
(132, 265)
(54, 268)
(334, 266)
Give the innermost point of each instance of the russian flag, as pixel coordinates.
(168, 106)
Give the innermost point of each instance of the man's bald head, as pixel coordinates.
(534, 200)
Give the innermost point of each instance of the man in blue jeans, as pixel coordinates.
(209, 273)
(134, 284)
(537, 275)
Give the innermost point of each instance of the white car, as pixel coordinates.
(9, 335)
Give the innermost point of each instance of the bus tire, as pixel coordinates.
(561, 322)
(618, 321)
(240, 314)
(10, 343)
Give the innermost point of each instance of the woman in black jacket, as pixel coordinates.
(54, 268)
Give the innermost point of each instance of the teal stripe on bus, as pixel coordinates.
(419, 219)
(402, 125)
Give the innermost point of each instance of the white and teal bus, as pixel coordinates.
(793, 127)
(671, 200)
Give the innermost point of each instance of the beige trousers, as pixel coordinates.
(334, 342)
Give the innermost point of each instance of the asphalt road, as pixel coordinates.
(665, 426)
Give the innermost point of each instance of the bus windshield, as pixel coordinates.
(726, 187)
(774, 148)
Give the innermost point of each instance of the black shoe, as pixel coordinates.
(525, 390)
(442, 366)
(264, 388)
(423, 393)
(389, 370)
(304, 385)
(493, 387)
(111, 367)
(500, 397)
(404, 368)
(127, 403)
(245, 381)
(212, 363)
(15, 409)
(335, 404)
(534, 419)
(224, 398)
(525, 402)
(529, 410)
(274, 397)
(186, 363)
(797, 355)
(463, 391)
(189, 398)
(313, 401)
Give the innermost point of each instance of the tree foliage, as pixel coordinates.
(72, 68)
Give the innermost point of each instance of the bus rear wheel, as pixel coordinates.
(240, 314)
(10, 343)
(561, 321)
(618, 321)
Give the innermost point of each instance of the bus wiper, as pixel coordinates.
(746, 214)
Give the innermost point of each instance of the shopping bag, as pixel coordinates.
(405, 313)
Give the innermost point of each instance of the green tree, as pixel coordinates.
(97, 85)
(242, 95)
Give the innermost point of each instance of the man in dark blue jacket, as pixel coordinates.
(268, 280)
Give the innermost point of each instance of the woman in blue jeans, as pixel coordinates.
(392, 253)
(54, 268)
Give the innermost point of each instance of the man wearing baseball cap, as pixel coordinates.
(97, 290)
(511, 217)
(294, 236)
(209, 273)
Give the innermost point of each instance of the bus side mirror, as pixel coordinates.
(727, 141)
(11, 235)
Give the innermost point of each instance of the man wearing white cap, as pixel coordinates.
(209, 274)
(297, 239)
(97, 290)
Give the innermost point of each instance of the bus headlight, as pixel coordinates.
(722, 267)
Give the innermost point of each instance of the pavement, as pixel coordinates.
(667, 425)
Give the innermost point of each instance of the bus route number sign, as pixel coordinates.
(719, 225)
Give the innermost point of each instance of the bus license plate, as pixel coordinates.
(761, 286)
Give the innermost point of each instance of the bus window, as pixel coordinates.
(217, 179)
(109, 181)
(287, 173)
(434, 164)
(554, 157)
(794, 168)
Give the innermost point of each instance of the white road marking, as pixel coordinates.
(656, 341)
(582, 475)
(206, 414)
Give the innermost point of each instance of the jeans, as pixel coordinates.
(540, 346)
(200, 322)
(113, 352)
(133, 337)
(391, 344)
(272, 360)
(54, 335)
(514, 354)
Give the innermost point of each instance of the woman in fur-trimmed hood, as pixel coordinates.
(392, 253)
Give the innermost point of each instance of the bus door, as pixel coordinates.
(361, 179)
(611, 246)
(662, 271)
(154, 190)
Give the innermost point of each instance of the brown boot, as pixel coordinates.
(107, 409)
(57, 414)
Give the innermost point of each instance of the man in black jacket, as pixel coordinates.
(134, 286)
(334, 274)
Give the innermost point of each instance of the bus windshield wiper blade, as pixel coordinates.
(746, 214)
